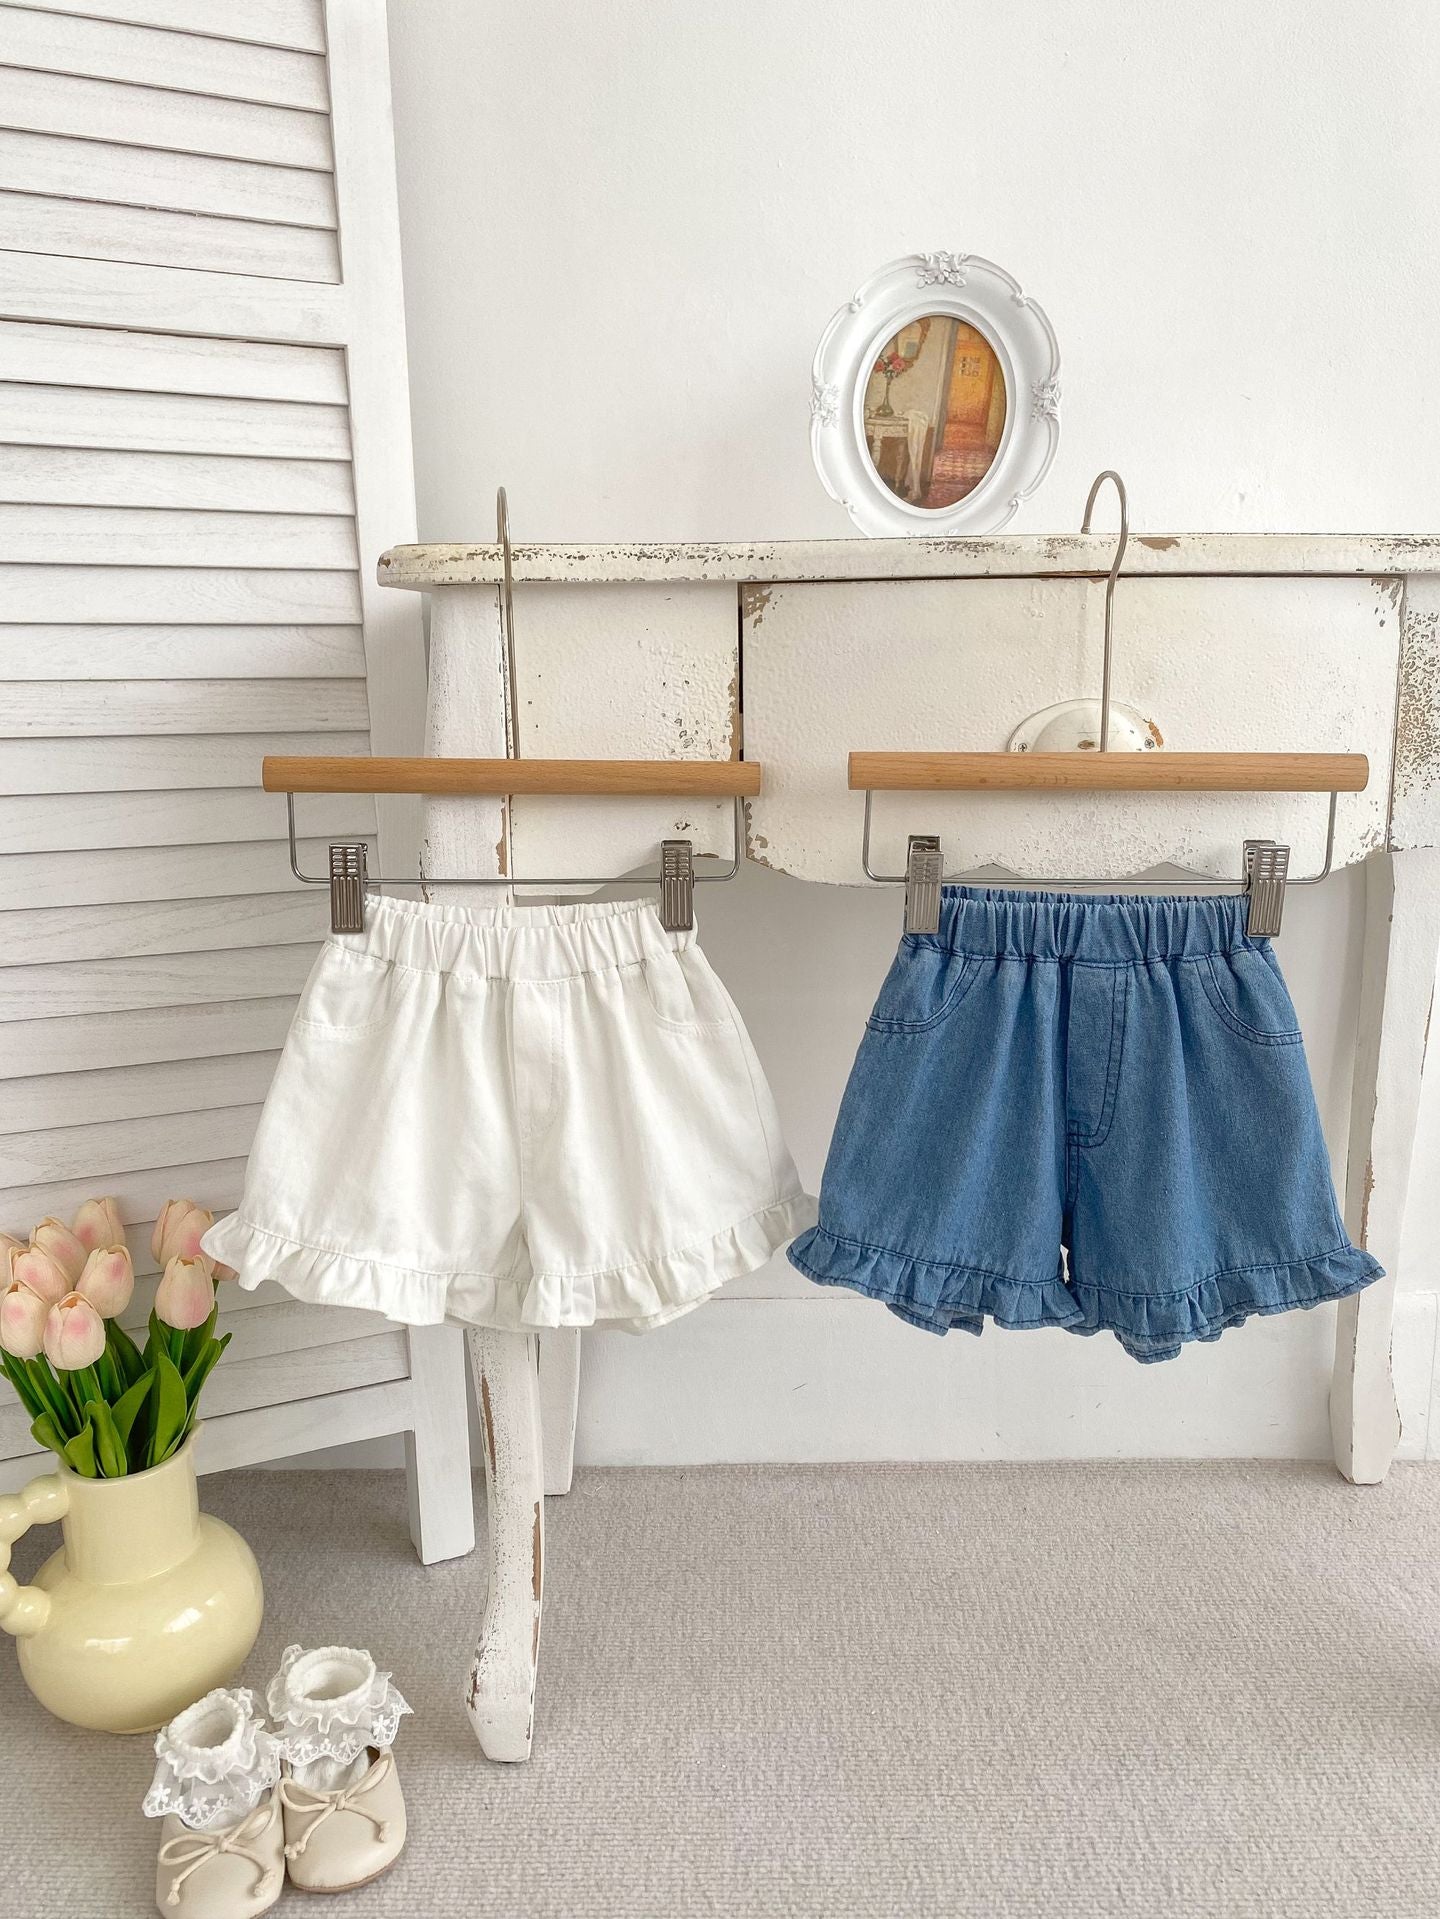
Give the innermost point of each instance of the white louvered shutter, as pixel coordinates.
(204, 444)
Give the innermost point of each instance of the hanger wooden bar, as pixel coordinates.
(1110, 772)
(680, 779)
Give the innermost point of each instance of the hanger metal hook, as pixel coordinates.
(1115, 565)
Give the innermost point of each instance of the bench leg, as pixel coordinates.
(500, 1691)
(1402, 937)
(437, 1446)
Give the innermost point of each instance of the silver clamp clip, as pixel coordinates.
(923, 876)
(677, 886)
(1267, 865)
(347, 887)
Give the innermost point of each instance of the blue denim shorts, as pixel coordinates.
(1089, 1111)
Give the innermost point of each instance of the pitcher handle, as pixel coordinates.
(24, 1609)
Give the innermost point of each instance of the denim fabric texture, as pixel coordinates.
(1089, 1111)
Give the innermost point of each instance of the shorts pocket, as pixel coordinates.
(348, 994)
(684, 992)
(923, 988)
(1248, 995)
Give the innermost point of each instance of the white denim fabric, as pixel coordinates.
(514, 1117)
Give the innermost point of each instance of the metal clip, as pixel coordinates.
(1267, 865)
(923, 875)
(347, 888)
(677, 886)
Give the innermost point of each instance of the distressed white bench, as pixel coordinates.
(1274, 642)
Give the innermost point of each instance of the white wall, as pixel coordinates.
(624, 229)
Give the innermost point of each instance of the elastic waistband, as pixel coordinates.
(1108, 928)
(513, 942)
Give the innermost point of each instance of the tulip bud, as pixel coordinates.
(74, 1334)
(108, 1280)
(185, 1295)
(178, 1230)
(56, 1239)
(22, 1321)
(98, 1224)
(37, 1270)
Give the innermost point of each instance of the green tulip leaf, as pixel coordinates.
(109, 1447)
(80, 1453)
(131, 1404)
(57, 1401)
(202, 1364)
(45, 1432)
(128, 1356)
(194, 1343)
(24, 1386)
(169, 1409)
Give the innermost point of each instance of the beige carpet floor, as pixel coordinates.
(983, 1692)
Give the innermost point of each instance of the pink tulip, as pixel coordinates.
(22, 1321)
(34, 1267)
(108, 1280)
(178, 1230)
(56, 1239)
(74, 1334)
(186, 1294)
(98, 1224)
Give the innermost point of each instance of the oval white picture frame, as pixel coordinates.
(965, 287)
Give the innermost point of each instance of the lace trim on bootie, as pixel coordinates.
(213, 1761)
(332, 1703)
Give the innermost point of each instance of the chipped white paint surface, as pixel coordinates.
(622, 672)
(1240, 664)
(993, 556)
(1415, 818)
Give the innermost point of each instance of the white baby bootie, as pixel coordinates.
(222, 1840)
(336, 1716)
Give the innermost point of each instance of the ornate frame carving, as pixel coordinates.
(963, 286)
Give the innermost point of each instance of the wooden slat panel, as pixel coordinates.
(287, 1377)
(49, 1046)
(181, 652)
(134, 1092)
(126, 1145)
(240, 1384)
(141, 764)
(54, 933)
(30, 223)
(75, 987)
(90, 877)
(59, 355)
(144, 536)
(149, 116)
(36, 709)
(185, 62)
(270, 1432)
(59, 822)
(295, 1328)
(269, 23)
(185, 594)
(33, 415)
(58, 166)
(215, 1183)
(86, 476)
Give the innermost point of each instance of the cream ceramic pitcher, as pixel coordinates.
(147, 1605)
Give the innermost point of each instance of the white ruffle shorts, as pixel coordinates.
(516, 1117)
